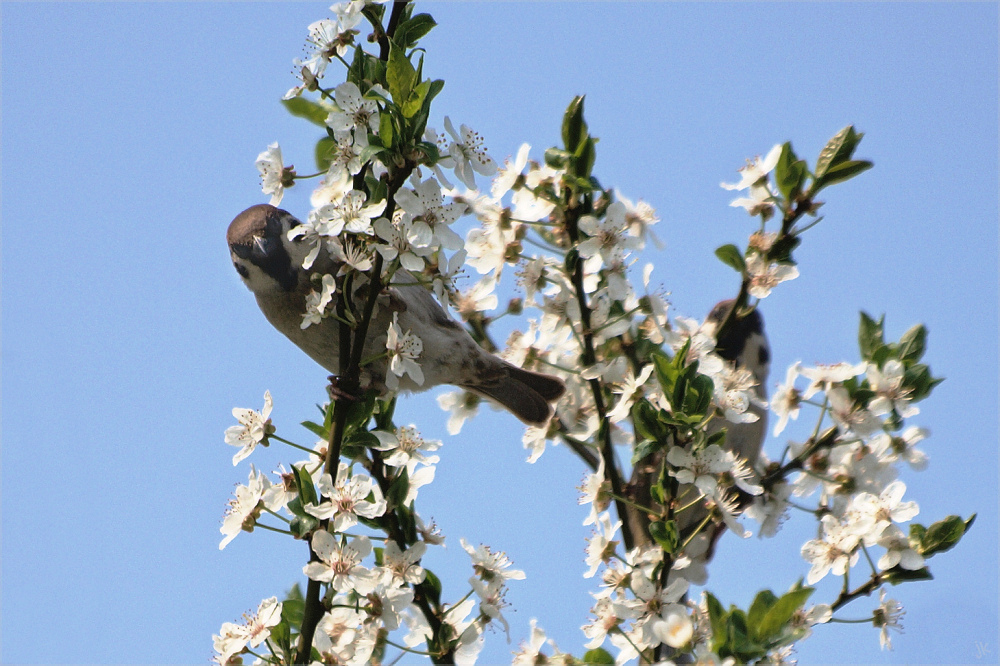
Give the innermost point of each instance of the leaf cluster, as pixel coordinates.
(750, 635)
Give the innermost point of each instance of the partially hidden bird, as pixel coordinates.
(270, 264)
(744, 343)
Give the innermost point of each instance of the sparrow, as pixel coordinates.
(745, 344)
(270, 264)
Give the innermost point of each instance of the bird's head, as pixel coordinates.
(262, 253)
(743, 339)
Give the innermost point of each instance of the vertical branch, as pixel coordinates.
(575, 266)
(350, 362)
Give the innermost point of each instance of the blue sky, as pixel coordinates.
(129, 136)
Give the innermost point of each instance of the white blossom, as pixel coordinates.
(272, 173)
(404, 349)
(252, 430)
(354, 112)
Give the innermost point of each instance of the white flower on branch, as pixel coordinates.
(836, 551)
(354, 112)
(787, 399)
(531, 652)
(850, 417)
(341, 638)
(631, 389)
(823, 377)
(890, 394)
(765, 275)
(462, 405)
(534, 439)
(402, 567)
(605, 619)
(348, 499)
(755, 170)
(652, 606)
(328, 39)
(340, 563)
(884, 509)
(431, 217)
(601, 546)
(407, 447)
(478, 298)
(608, 237)
(404, 349)
(469, 154)
(256, 629)
(898, 551)
(244, 508)
(491, 566)
(891, 448)
(349, 214)
(700, 468)
(386, 602)
(734, 393)
(272, 172)
(317, 302)
(887, 616)
(397, 244)
(253, 429)
(508, 173)
(595, 491)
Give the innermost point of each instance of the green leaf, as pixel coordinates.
(898, 575)
(574, 128)
(307, 491)
(409, 32)
(644, 449)
(325, 152)
(717, 618)
(312, 111)
(302, 526)
(779, 614)
(316, 429)
(385, 128)
(841, 172)
(781, 251)
(838, 149)
(356, 72)
(598, 656)
(370, 151)
(400, 75)
(918, 377)
(944, 534)
(415, 101)
(293, 606)
(583, 162)
(398, 489)
(913, 343)
(665, 534)
(762, 603)
(556, 158)
(731, 256)
(790, 172)
(432, 584)
(870, 335)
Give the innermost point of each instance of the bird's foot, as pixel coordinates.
(337, 392)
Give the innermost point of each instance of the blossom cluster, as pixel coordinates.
(370, 590)
(638, 380)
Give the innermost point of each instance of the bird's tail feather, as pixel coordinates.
(524, 393)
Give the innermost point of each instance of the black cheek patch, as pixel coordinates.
(244, 273)
(763, 356)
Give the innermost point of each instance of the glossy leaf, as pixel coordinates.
(731, 256)
(312, 111)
